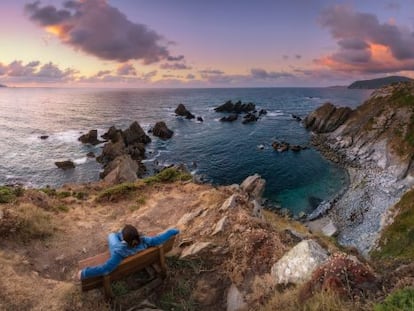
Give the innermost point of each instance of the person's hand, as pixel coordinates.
(79, 275)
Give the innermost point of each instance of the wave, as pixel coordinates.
(80, 160)
(276, 113)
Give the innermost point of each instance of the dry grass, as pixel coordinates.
(25, 222)
(322, 301)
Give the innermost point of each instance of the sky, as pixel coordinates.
(195, 43)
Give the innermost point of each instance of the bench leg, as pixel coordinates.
(162, 263)
(107, 287)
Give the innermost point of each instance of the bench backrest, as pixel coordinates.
(128, 266)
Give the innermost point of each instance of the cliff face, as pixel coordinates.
(376, 144)
(378, 133)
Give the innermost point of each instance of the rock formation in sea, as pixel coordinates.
(162, 131)
(181, 110)
(90, 138)
(65, 165)
(375, 142)
(122, 155)
(237, 107)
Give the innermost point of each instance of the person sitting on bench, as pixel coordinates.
(122, 244)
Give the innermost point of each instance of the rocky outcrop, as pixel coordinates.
(230, 118)
(237, 107)
(65, 165)
(326, 118)
(376, 144)
(297, 266)
(90, 138)
(123, 148)
(250, 117)
(121, 169)
(182, 111)
(162, 131)
(254, 186)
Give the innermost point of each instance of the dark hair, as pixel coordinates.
(130, 235)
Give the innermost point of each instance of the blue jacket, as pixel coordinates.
(119, 250)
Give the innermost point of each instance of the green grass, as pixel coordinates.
(397, 239)
(117, 192)
(9, 194)
(138, 203)
(170, 174)
(401, 300)
(49, 191)
(120, 288)
(63, 194)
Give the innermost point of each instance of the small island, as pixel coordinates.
(377, 83)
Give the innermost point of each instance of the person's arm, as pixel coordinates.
(103, 269)
(160, 238)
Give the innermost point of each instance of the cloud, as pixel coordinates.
(190, 76)
(259, 73)
(175, 66)
(103, 73)
(126, 70)
(96, 28)
(175, 58)
(18, 72)
(298, 56)
(365, 44)
(211, 72)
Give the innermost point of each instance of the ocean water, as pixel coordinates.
(220, 152)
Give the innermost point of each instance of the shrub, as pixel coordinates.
(49, 191)
(169, 174)
(7, 194)
(401, 300)
(25, 222)
(397, 239)
(63, 194)
(116, 192)
(62, 208)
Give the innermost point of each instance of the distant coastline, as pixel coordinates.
(377, 83)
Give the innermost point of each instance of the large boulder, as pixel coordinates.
(65, 165)
(122, 169)
(297, 265)
(254, 186)
(112, 134)
(162, 131)
(111, 150)
(327, 118)
(235, 300)
(135, 134)
(182, 111)
(90, 138)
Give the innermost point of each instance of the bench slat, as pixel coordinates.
(128, 266)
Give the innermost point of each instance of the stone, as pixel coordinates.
(194, 249)
(44, 137)
(237, 107)
(121, 169)
(324, 226)
(162, 131)
(297, 265)
(135, 134)
(220, 225)
(60, 257)
(235, 300)
(111, 150)
(65, 165)
(187, 217)
(111, 134)
(182, 111)
(90, 138)
(254, 186)
(230, 203)
(90, 154)
(250, 117)
(257, 210)
(326, 118)
(200, 119)
(230, 118)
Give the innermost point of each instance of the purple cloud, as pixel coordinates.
(259, 73)
(175, 66)
(95, 27)
(345, 24)
(126, 70)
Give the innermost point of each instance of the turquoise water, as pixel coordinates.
(221, 153)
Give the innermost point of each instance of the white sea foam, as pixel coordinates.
(80, 160)
(276, 113)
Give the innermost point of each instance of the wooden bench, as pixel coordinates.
(131, 264)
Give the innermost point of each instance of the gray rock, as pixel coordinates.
(194, 249)
(297, 265)
(65, 165)
(254, 186)
(230, 203)
(186, 218)
(90, 138)
(235, 300)
(257, 210)
(324, 226)
(220, 225)
(162, 131)
(122, 169)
